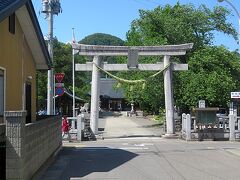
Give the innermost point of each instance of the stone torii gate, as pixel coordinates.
(132, 52)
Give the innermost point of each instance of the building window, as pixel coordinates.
(11, 26)
(1, 93)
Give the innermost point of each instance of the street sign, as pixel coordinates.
(59, 77)
(235, 95)
(201, 104)
(59, 84)
(59, 91)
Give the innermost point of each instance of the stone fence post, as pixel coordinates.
(15, 151)
(80, 126)
(183, 123)
(232, 120)
(238, 124)
(188, 127)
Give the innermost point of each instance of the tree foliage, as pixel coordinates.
(179, 24)
(102, 39)
(63, 64)
(212, 70)
(213, 74)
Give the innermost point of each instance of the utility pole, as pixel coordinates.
(50, 8)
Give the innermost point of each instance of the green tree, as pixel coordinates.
(63, 64)
(41, 89)
(213, 74)
(177, 25)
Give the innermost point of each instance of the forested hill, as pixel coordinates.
(102, 39)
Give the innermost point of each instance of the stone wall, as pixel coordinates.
(29, 146)
(2, 151)
(42, 139)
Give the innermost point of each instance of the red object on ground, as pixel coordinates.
(65, 125)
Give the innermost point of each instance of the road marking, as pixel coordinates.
(139, 145)
(148, 144)
(135, 138)
(134, 148)
(143, 144)
(211, 148)
(73, 145)
(80, 145)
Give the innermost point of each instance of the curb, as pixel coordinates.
(127, 136)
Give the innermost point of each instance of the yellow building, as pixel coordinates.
(22, 52)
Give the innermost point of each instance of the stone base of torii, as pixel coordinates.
(97, 51)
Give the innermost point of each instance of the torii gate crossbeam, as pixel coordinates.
(98, 50)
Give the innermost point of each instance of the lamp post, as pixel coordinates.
(73, 75)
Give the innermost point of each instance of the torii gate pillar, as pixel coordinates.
(168, 97)
(95, 96)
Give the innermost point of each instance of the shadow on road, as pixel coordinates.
(80, 162)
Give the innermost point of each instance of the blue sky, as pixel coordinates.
(114, 17)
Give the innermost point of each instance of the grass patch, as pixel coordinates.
(160, 119)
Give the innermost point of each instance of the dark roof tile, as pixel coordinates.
(7, 7)
(5, 3)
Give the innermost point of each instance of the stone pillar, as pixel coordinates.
(73, 120)
(95, 96)
(15, 150)
(232, 119)
(238, 122)
(168, 97)
(183, 123)
(195, 125)
(188, 127)
(80, 125)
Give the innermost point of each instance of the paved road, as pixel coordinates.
(144, 158)
(121, 126)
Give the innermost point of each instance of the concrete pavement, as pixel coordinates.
(149, 158)
(143, 158)
(118, 125)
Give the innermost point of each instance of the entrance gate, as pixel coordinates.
(132, 52)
